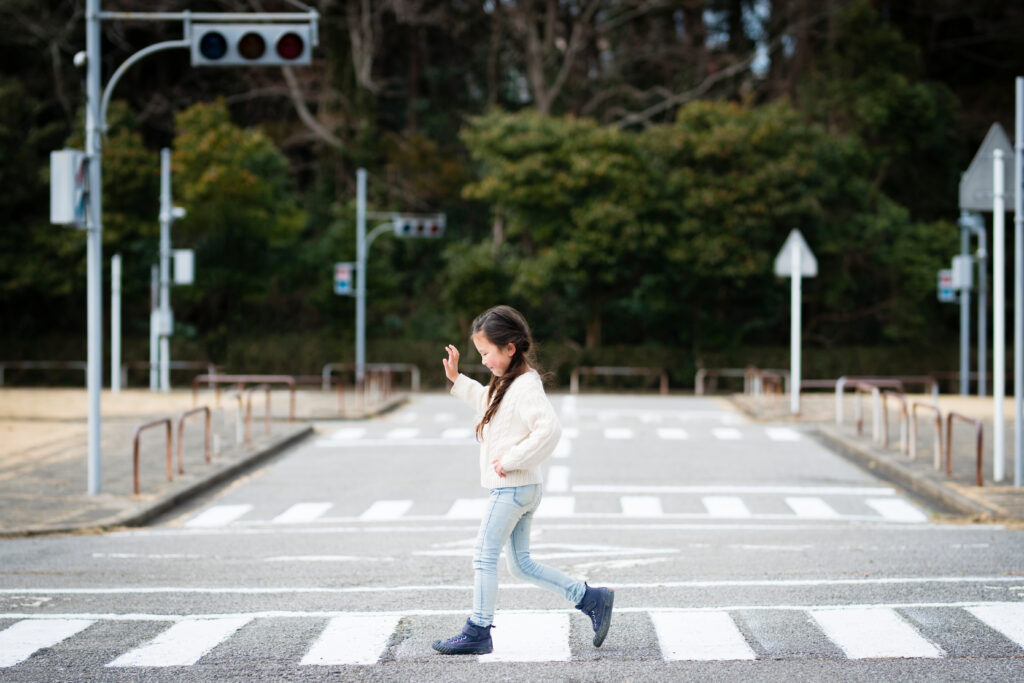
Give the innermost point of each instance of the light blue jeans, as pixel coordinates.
(507, 520)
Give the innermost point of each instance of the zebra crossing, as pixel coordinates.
(786, 503)
(416, 436)
(856, 632)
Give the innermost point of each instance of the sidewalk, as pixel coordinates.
(957, 494)
(44, 455)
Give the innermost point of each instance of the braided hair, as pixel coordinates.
(504, 325)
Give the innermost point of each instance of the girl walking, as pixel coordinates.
(517, 430)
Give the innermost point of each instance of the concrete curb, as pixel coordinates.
(939, 494)
(168, 501)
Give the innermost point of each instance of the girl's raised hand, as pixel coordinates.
(451, 363)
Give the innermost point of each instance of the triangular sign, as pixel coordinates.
(976, 183)
(784, 261)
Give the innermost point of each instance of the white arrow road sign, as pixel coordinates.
(795, 260)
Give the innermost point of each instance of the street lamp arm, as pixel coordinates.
(128, 63)
(375, 233)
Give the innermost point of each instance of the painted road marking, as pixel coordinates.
(347, 434)
(725, 506)
(21, 640)
(811, 508)
(467, 508)
(457, 433)
(1007, 618)
(727, 433)
(793, 490)
(402, 433)
(618, 433)
(570, 432)
(641, 506)
(896, 510)
(872, 632)
(352, 639)
(782, 434)
(699, 636)
(564, 448)
(218, 515)
(673, 433)
(542, 637)
(302, 512)
(183, 644)
(386, 509)
(556, 506)
(558, 479)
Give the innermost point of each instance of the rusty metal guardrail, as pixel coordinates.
(895, 382)
(135, 448)
(574, 378)
(181, 434)
(241, 380)
(949, 442)
(327, 373)
(248, 410)
(914, 405)
(211, 369)
(904, 419)
(41, 365)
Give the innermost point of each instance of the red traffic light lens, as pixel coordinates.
(290, 46)
(252, 46)
(213, 45)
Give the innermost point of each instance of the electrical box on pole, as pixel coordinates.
(252, 44)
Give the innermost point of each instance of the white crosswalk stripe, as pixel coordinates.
(467, 508)
(673, 433)
(403, 433)
(386, 509)
(352, 639)
(532, 638)
(811, 508)
(896, 510)
(872, 632)
(183, 644)
(618, 433)
(782, 434)
(347, 434)
(21, 640)
(1007, 618)
(641, 506)
(457, 433)
(302, 512)
(558, 479)
(727, 433)
(556, 506)
(683, 634)
(218, 515)
(730, 507)
(700, 636)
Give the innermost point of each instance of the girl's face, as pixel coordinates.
(496, 359)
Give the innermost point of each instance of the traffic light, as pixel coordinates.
(416, 225)
(252, 44)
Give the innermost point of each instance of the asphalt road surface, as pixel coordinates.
(737, 550)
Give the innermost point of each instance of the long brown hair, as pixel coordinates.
(504, 325)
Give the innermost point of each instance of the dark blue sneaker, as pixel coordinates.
(474, 640)
(597, 604)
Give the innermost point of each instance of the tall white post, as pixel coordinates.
(1018, 309)
(360, 277)
(794, 333)
(999, 317)
(165, 269)
(115, 324)
(154, 328)
(94, 245)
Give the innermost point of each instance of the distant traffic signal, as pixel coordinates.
(416, 225)
(252, 44)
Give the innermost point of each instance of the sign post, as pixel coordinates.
(795, 260)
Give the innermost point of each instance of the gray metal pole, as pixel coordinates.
(1018, 310)
(360, 277)
(154, 328)
(794, 332)
(965, 320)
(94, 246)
(165, 268)
(982, 309)
(998, 316)
(115, 324)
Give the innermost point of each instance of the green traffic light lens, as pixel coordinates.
(252, 46)
(290, 46)
(213, 45)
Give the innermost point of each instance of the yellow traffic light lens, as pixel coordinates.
(290, 46)
(252, 46)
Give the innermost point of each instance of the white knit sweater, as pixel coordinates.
(523, 433)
